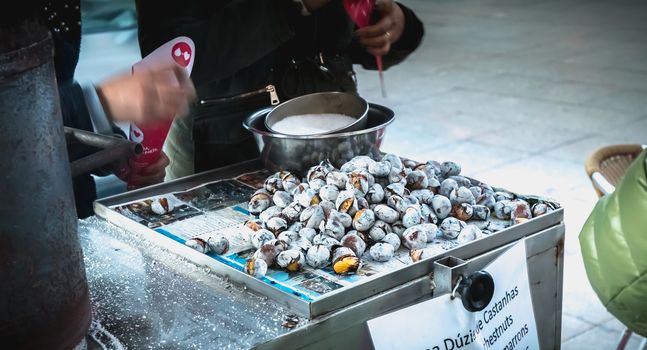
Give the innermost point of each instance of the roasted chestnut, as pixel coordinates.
(198, 244)
(256, 267)
(291, 260)
(318, 256)
(218, 244)
(381, 252)
(414, 238)
(162, 205)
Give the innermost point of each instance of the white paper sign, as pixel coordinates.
(508, 322)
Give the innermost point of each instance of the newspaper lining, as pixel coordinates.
(220, 208)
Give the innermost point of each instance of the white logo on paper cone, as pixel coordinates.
(136, 134)
(182, 53)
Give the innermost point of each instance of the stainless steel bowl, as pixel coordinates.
(320, 103)
(298, 153)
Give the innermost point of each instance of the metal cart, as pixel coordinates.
(151, 291)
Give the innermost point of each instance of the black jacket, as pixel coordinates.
(64, 21)
(244, 45)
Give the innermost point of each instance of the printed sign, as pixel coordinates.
(442, 323)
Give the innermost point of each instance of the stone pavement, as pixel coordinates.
(519, 92)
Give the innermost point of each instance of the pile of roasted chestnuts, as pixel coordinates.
(368, 208)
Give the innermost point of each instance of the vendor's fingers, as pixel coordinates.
(183, 99)
(377, 41)
(378, 29)
(151, 179)
(121, 169)
(156, 168)
(375, 30)
(379, 51)
(149, 99)
(141, 179)
(384, 5)
(137, 181)
(178, 93)
(159, 166)
(162, 102)
(165, 76)
(169, 100)
(166, 93)
(185, 82)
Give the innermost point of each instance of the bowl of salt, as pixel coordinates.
(318, 114)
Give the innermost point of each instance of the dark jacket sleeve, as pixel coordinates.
(409, 41)
(75, 115)
(73, 108)
(228, 36)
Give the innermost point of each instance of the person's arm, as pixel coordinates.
(228, 36)
(146, 96)
(141, 98)
(396, 35)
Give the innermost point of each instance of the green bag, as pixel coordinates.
(614, 248)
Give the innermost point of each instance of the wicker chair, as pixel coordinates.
(605, 168)
(607, 165)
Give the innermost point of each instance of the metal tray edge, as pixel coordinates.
(333, 300)
(290, 301)
(184, 183)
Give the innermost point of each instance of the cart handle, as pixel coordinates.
(111, 149)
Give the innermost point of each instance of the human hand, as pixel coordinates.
(152, 174)
(378, 37)
(148, 95)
